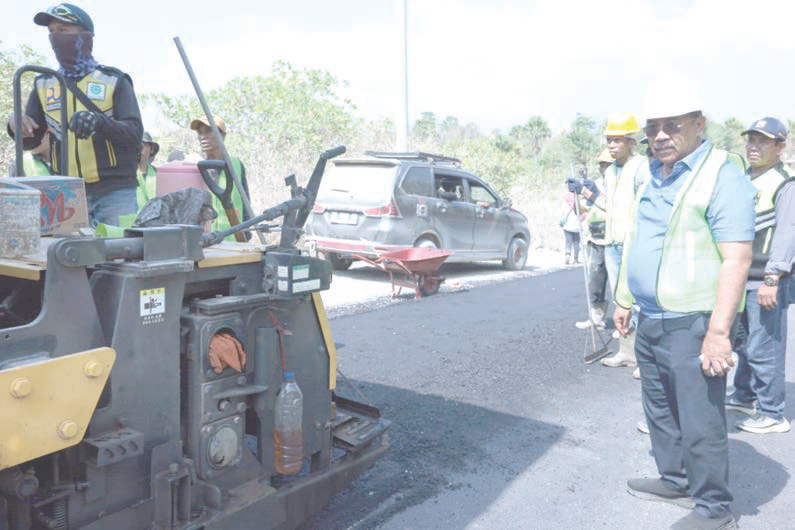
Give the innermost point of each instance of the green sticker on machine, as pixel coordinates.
(300, 272)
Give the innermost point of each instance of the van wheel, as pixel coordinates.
(339, 263)
(426, 242)
(516, 257)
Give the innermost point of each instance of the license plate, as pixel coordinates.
(344, 218)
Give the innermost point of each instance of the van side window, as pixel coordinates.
(418, 182)
(478, 194)
(449, 187)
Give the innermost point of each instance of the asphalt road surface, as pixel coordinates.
(499, 424)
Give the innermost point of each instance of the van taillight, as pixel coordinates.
(317, 208)
(389, 210)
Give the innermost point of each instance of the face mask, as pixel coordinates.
(72, 49)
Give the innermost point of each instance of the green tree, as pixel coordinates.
(532, 136)
(584, 139)
(277, 124)
(10, 61)
(726, 135)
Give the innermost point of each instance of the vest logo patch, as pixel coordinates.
(96, 91)
(53, 100)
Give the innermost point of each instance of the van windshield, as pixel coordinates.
(357, 183)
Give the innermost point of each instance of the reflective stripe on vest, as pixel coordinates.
(147, 187)
(687, 277)
(621, 184)
(82, 154)
(767, 185)
(221, 222)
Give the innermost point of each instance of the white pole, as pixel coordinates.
(402, 122)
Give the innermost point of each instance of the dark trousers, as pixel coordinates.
(597, 272)
(572, 244)
(685, 410)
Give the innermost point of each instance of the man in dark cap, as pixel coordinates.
(761, 340)
(103, 119)
(147, 173)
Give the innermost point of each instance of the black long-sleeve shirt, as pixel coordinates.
(116, 139)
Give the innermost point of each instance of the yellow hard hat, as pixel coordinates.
(621, 124)
(605, 157)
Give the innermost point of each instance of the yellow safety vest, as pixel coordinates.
(687, 277)
(98, 87)
(767, 186)
(622, 184)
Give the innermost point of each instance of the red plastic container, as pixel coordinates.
(176, 176)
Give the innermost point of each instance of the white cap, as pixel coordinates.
(670, 96)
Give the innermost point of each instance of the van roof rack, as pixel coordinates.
(431, 158)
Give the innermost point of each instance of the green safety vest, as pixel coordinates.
(687, 277)
(221, 222)
(622, 185)
(767, 185)
(147, 186)
(34, 166)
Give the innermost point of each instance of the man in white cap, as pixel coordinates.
(685, 262)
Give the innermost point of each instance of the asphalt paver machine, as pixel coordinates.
(112, 415)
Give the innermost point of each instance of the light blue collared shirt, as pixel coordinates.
(730, 215)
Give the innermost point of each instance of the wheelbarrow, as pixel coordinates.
(416, 268)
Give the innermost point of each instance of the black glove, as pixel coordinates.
(83, 124)
(575, 185)
(590, 185)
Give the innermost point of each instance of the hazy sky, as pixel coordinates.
(493, 62)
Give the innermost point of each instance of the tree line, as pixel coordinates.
(279, 122)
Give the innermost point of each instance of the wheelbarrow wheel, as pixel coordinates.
(429, 285)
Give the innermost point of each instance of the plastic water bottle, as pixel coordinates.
(288, 440)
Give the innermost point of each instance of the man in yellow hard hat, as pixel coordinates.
(595, 252)
(624, 178)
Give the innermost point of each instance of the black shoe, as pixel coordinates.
(657, 489)
(696, 521)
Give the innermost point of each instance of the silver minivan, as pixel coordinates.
(386, 201)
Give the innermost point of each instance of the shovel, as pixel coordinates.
(224, 195)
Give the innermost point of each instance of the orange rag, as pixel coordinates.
(226, 350)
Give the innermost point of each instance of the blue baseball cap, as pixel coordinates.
(770, 127)
(69, 13)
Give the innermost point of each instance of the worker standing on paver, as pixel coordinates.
(147, 173)
(103, 119)
(211, 150)
(685, 263)
(761, 342)
(595, 251)
(624, 179)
